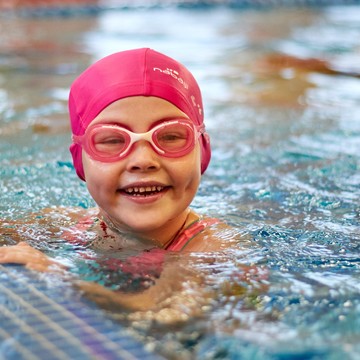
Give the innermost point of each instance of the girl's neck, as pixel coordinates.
(161, 238)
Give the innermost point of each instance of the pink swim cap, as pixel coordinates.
(139, 72)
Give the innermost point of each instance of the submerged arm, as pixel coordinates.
(180, 292)
(174, 281)
(175, 296)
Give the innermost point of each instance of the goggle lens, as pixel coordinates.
(174, 138)
(108, 142)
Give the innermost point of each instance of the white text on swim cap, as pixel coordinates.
(196, 104)
(174, 74)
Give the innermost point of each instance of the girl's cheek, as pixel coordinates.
(98, 171)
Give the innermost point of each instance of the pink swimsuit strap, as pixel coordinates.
(184, 238)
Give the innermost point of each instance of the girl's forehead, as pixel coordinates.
(138, 112)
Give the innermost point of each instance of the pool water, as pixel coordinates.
(281, 89)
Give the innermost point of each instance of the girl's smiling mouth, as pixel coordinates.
(144, 190)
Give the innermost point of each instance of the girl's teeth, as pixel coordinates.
(144, 189)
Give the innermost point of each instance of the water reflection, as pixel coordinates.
(282, 106)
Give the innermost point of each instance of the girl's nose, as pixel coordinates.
(142, 157)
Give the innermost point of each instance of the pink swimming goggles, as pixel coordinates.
(111, 142)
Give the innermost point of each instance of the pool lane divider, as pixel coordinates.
(39, 320)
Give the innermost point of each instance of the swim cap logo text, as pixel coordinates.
(174, 74)
(196, 104)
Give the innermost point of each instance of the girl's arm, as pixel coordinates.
(175, 296)
(179, 293)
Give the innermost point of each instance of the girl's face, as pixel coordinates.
(144, 193)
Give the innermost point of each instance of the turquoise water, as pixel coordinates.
(285, 168)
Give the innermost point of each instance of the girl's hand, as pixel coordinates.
(24, 254)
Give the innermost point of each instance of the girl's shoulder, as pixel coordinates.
(205, 234)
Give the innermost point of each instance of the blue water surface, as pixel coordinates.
(281, 88)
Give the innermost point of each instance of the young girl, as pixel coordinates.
(140, 143)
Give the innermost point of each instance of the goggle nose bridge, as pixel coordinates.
(148, 136)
